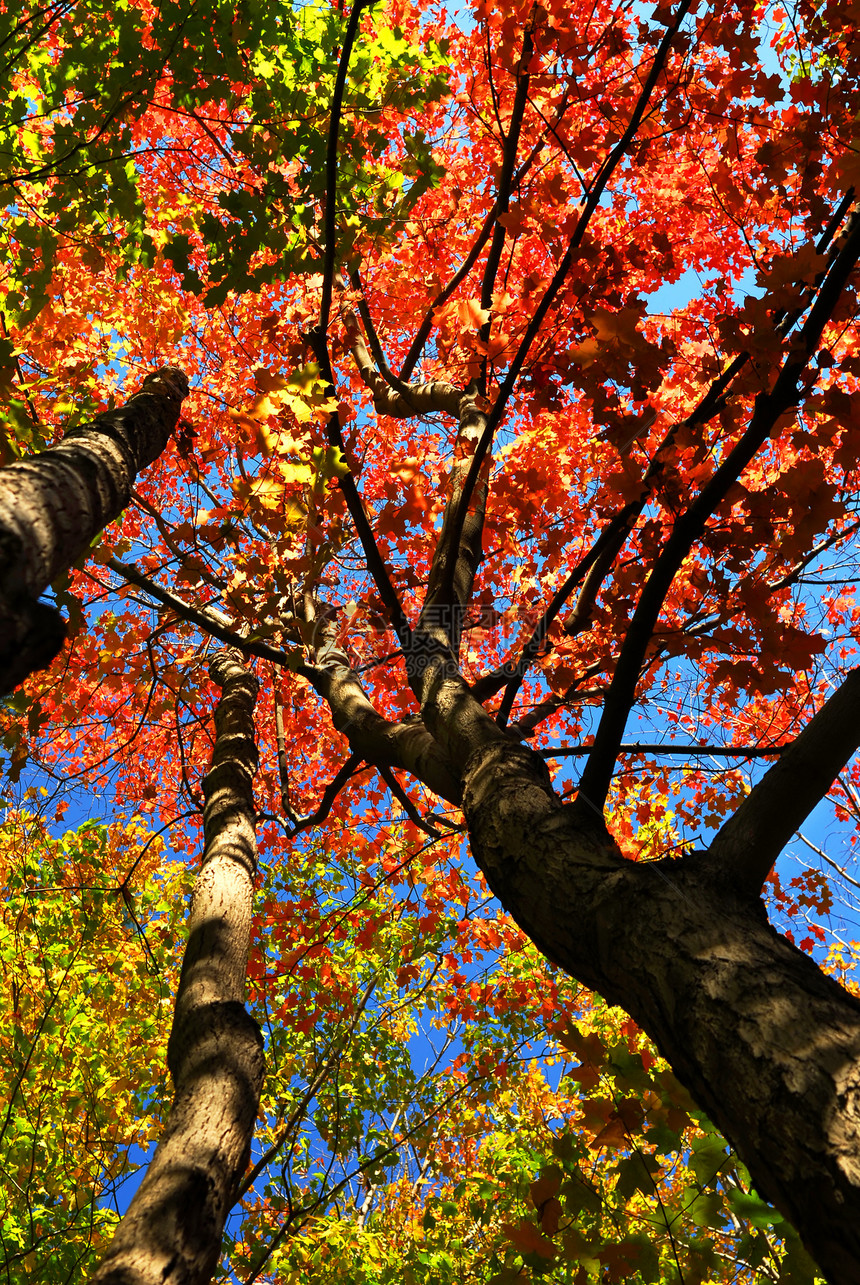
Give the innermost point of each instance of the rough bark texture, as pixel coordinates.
(53, 505)
(171, 1233)
(405, 745)
(765, 1042)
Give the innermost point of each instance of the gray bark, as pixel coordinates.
(171, 1233)
(54, 504)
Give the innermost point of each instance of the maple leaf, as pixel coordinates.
(620, 326)
(527, 1239)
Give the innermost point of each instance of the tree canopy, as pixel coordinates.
(518, 465)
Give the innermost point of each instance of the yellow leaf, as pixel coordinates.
(306, 378)
(266, 491)
(294, 471)
(295, 515)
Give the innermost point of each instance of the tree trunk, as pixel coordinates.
(171, 1233)
(53, 505)
(765, 1042)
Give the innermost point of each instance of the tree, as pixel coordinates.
(53, 505)
(174, 1224)
(632, 510)
(87, 924)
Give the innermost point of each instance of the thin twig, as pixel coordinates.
(463, 499)
(715, 751)
(210, 620)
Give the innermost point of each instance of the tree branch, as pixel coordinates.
(621, 524)
(318, 339)
(459, 547)
(209, 619)
(506, 177)
(460, 503)
(440, 396)
(458, 552)
(751, 840)
(337, 1047)
(330, 216)
(406, 803)
(329, 795)
(526, 726)
(589, 572)
(53, 504)
(690, 526)
(416, 347)
(593, 568)
(791, 577)
(690, 751)
(373, 738)
(167, 536)
(390, 395)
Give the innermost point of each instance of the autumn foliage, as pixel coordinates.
(523, 354)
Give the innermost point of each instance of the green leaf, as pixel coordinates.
(750, 1208)
(637, 1173)
(709, 1155)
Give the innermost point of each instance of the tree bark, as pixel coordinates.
(54, 504)
(765, 1042)
(171, 1233)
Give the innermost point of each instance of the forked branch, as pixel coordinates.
(371, 737)
(460, 503)
(391, 396)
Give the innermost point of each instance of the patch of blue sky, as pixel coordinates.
(675, 295)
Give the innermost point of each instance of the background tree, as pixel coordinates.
(88, 923)
(632, 510)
